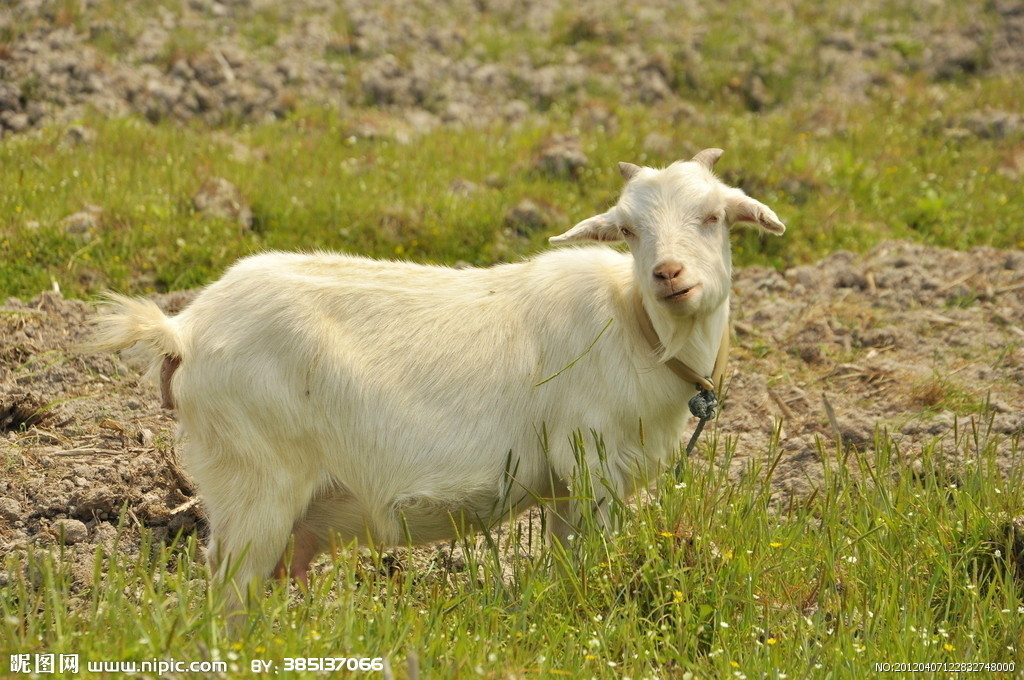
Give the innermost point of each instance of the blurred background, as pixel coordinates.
(146, 145)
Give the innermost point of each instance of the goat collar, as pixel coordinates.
(703, 382)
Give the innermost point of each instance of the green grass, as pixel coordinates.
(881, 169)
(715, 577)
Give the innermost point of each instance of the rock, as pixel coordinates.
(79, 134)
(1008, 423)
(421, 122)
(106, 535)
(220, 198)
(211, 69)
(527, 217)
(888, 336)
(144, 436)
(495, 181)
(515, 110)
(463, 187)
(185, 522)
(10, 97)
(811, 353)
(14, 121)
(84, 223)
(804, 275)
(459, 112)
(993, 124)
(72, 530)
(755, 93)
(847, 277)
(955, 54)
(385, 81)
(10, 509)
(857, 432)
(561, 156)
(845, 41)
(99, 500)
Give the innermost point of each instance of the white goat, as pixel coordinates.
(394, 402)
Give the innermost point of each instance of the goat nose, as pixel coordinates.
(668, 270)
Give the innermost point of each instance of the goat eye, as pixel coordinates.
(626, 233)
(711, 219)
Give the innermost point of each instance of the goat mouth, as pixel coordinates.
(682, 292)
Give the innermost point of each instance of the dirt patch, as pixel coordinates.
(901, 342)
(434, 63)
(84, 445)
(904, 342)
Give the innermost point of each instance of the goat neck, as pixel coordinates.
(694, 341)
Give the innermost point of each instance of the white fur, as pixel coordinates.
(394, 402)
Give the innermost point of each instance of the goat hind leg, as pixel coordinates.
(304, 547)
(249, 535)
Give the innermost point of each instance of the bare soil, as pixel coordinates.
(426, 64)
(903, 342)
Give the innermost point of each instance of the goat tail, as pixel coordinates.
(123, 321)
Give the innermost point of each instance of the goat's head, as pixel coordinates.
(676, 224)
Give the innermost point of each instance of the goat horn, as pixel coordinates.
(628, 170)
(708, 157)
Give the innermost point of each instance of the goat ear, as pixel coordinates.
(742, 208)
(603, 227)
